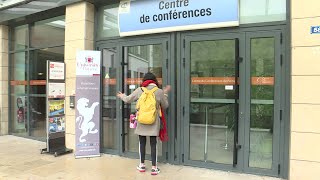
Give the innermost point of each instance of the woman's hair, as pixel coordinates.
(150, 76)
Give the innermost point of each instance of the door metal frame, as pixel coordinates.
(184, 102)
(277, 103)
(176, 120)
(244, 99)
(142, 42)
(101, 47)
(120, 44)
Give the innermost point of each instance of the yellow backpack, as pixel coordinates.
(147, 106)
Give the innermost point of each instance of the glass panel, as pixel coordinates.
(38, 62)
(108, 21)
(37, 121)
(212, 101)
(262, 104)
(19, 38)
(18, 73)
(110, 129)
(54, 27)
(252, 11)
(19, 123)
(141, 59)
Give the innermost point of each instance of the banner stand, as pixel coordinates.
(87, 104)
(55, 121)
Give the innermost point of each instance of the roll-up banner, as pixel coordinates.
(87, 103)
(157, 16)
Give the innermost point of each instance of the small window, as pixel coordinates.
(108, 21)
(253, 11)
(49, 32)
(19, 38)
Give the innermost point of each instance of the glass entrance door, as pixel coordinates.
(230, 105)
(211, 99)
(263, 106)
(139, 58)
(124, 63)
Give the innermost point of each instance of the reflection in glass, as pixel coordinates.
(19, 38)
(262, 104)
(141, 59)
(37, 121)
(252, 11)
(38, 59)
(108, 21)
(212, 63)
(212, 133)
(18, 73)
(110, 129)
(54, 27)
(212, 104)
(19, 110)
(28, 73)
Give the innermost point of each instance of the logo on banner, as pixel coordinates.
(88, 65)
(84, 120)
(89, 59)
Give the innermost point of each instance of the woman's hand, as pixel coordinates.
(120, 94)
(167, 89)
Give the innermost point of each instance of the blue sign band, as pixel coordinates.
(154, 16)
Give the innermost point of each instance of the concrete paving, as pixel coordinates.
(20, 159)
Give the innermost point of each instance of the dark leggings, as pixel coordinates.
(153, 144)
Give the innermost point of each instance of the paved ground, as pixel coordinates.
(21, 159)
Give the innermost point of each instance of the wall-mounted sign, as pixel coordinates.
(315, 29)
(146, 17)
(56, 71)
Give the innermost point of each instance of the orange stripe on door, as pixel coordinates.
(38, 82)
(18, 83)
(230, 81)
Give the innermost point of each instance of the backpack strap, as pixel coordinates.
(154, 89)
(144, 89)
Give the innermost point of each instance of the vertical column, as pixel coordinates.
(78, 36)
(305, 99)
(4, 55)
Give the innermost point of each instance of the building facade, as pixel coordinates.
(243, 97)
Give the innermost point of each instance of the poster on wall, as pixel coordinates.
(21, 113)
(87, 103)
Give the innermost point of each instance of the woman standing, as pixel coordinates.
(152, 130)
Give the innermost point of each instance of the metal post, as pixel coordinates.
(226, 133)
(206, 136)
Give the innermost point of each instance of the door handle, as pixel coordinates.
(124, 134)
(238, 146)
